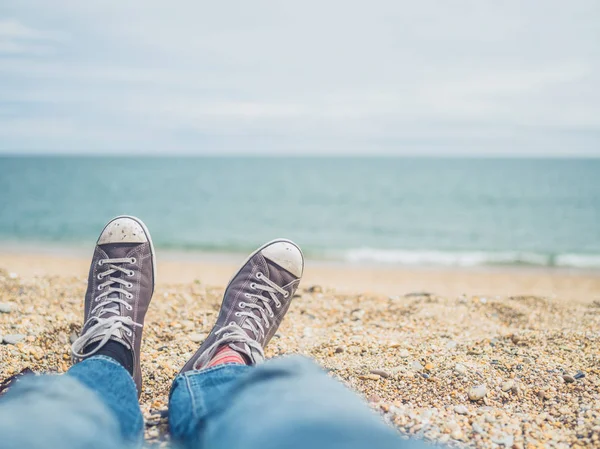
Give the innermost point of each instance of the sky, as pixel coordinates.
(391, 77)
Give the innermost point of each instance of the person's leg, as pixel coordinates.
(93, 406)
(284, 403)
(98, 395)
(219, 401)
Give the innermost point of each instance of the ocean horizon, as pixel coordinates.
(385, 210)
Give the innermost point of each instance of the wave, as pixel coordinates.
(470, 258)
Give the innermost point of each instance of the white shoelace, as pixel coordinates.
(233, 333)
(108, 303)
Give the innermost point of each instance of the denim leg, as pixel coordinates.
(117, 390)
(284, 403)
(54, 411)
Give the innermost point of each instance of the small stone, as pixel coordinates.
(429, 366)
(339, 349)
(62, 338)
(489, 418)
(568, 379)
(197, 338)
(579, 375)
(508, 385)
(477, 428)
(417, 294)
(461, 410)
(451, 345)
(315, 289)
(5, 307)
(374, 399)
(461, 369)
(404, 353)
(369, 377)
(416, 366)
(477, 393)
(457, 435)
(13, 339)
(504, 440)
(381, 373)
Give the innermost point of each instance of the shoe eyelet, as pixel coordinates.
(278, 305)
(253, 286)
(131, 273)
(99, 276)
(129, 333)
(129, 307)
(242, 305)
(133, 260)
(259, 275)
(287, 295)
(100, 287)
(129, 318)
(246, 295)
(271, 315)
(130, 285)
(237, 314)
(100, 262)
(129, 296)
(231, 323)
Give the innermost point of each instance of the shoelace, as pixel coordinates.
(108, 303)
(233, 333)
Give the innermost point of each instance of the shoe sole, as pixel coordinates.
(147, 232)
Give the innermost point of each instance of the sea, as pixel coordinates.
(401, 211)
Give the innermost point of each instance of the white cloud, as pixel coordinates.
(385, 76)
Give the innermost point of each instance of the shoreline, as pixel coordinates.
(174, 267)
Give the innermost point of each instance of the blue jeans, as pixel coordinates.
(285, 403)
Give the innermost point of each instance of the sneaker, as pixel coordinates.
(120, 287)
(254, 304)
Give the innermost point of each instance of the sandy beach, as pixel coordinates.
(480, 357)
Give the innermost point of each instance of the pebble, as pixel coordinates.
(13, 339)
(477, 393)
(461, 369)
(416, 366)
(339, 349)
(508, 385)
(477, 428)
(504, 440)
(5, 308)
(451, 345)
(404, 353)
(568, 379)
(197, 338)
(457, 435)
(461, 410)
(579, 375)
(381, 373)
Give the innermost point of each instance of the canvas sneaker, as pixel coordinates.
(120, 287)
(254, 304)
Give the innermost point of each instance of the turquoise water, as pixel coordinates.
(388, 210)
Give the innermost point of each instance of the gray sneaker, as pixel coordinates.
(254, 303)
(120, 287)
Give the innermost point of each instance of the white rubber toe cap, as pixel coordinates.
(285, 254)
(123, 230)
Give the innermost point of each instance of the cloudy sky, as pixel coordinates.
(375, 77)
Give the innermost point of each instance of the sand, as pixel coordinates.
(467, 357)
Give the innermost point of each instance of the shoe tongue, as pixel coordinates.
(116, 251)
